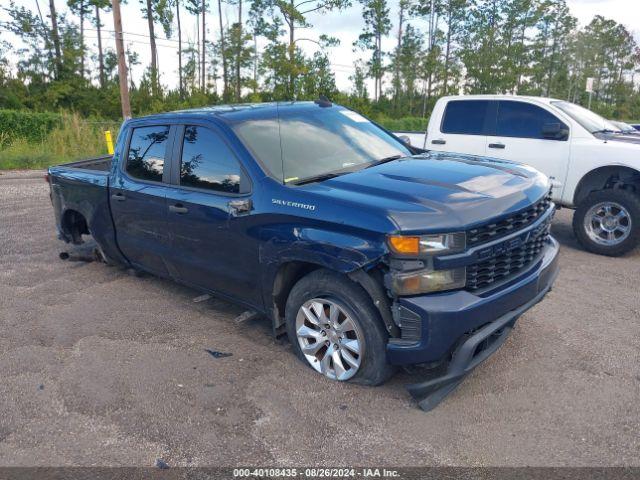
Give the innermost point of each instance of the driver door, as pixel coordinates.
(519, 138)
(209, 214)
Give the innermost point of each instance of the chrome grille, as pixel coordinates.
(510, 224)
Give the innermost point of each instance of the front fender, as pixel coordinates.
(338, 251)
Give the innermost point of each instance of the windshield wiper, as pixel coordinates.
(337, 173)
(317, 178)
(384, 160)
(606, 130)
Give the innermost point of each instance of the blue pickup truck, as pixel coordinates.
(368, 253)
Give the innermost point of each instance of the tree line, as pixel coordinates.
(440, 47)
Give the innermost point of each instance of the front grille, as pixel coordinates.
(510, 224)
(503, 266)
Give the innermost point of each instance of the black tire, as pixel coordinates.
(627, 199)
(374, 369)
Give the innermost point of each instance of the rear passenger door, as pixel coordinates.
(137, 201)
(209, 215)
(463, 128)
(519, 138)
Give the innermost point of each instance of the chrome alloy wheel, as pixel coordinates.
(329, 338)
(607, 223)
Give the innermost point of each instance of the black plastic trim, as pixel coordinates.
(465, 358)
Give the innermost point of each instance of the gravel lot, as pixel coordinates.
(102, 368)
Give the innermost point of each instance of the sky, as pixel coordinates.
(345, 25)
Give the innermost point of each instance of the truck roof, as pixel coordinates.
(235, 111)
(532, 98)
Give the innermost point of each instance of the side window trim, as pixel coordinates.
(168, 154)
(246, 184)
(167, 166)
(176, 155)
(491, 119)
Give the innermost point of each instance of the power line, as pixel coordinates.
(110, 36)
(140, 42)
(132, 33)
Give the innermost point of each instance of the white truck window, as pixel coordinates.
(523, 120)
(466, 117)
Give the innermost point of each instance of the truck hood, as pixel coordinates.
(436, 192)
(618, 137)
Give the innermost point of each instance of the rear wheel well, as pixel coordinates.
(74, 225)
(607, 177)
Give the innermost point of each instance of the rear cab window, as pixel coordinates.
(147, 149)
(466, 117)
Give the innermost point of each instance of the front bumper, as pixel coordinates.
(445, 318)
(467, 328)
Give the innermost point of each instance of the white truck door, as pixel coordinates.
(529, 134)
(459, 126)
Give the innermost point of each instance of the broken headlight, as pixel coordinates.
(427, 281)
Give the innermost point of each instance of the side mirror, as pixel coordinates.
(405, 139)
(555, 131)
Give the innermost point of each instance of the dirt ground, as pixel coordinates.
(102, 368)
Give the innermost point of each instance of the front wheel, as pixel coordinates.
(607, 222)
(336, 330)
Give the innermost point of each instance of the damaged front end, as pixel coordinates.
(455, 302)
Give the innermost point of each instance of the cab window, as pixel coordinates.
(523, 120)
(465, 117)
(208, 163)
(145, 159)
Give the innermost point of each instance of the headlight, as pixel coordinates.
(427, 244)
(427, 281)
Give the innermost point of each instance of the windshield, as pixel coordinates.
(623, 127)
(316, 141)
(589, 120)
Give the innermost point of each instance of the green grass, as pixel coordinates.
(75, 139)
(404, 124)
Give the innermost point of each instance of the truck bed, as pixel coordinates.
(80, 197)
(101, 164)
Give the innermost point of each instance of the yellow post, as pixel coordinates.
(107, 137)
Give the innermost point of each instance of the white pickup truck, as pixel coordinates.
(594, 168)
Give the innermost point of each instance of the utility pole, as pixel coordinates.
(589, 88)
(122, 65)
(204, 46)
(56, 36)
(100, 56)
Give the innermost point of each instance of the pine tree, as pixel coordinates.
(377, 25)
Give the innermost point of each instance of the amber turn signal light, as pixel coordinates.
(404, 245)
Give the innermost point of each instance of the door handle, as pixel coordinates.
(118, 197)
(178, 208)
(240, 206)
(438, 141)
(496, 145)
